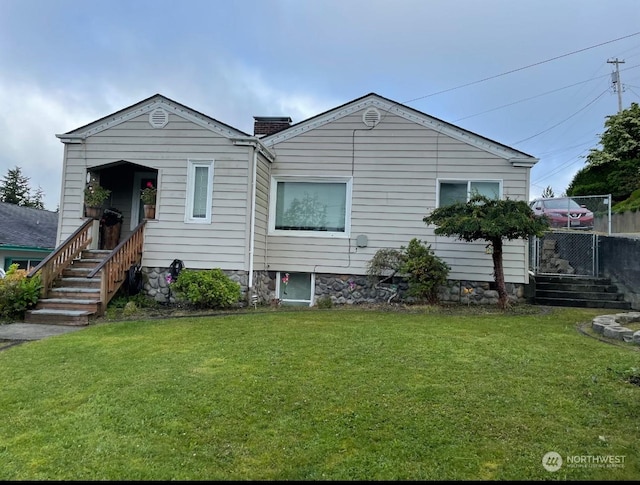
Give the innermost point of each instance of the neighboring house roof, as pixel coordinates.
(374, 100)
(149, 105)
(27, 227)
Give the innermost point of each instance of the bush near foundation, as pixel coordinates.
(18, 293)
(207, 288)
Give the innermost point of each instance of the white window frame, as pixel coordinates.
(468, 181)
(348, 181)
(312, 296)
(192, 163)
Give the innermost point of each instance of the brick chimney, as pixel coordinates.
(268, 125)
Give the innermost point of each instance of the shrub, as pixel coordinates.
(18, 293)
(207, 288)
(325, 302)
(426, 271)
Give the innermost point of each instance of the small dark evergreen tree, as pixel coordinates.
(14, 188)
(491, 220)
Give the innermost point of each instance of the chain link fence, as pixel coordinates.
(562, 252)
(571, 246)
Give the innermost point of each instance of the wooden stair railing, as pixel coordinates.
(55, 263)
(115, 267)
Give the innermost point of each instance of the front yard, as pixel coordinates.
(341, 394)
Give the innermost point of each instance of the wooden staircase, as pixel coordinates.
(78, 282)
(73, 298)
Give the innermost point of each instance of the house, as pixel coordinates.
(27, 235)
(292, 211)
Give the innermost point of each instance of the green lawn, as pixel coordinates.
(343, 394)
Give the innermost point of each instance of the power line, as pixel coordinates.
(566, 119)
(520, 68)
(561, 167)
(531, 97)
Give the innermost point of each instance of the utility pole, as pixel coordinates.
(615, 79)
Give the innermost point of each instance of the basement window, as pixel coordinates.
(295, 289)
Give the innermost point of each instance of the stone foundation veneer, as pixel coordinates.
(352, 289)
(341, 289)
(156, 286)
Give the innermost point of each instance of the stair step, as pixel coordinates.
(78, 282)
(582, 303)
(92, 305)
(59, 317)
(75, 293)
(578, 291)
(577, 286)
(578, 295)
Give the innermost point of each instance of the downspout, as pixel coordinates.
(252, 231)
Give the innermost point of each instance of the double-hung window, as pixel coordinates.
(199, 191)
(452, 191)
(311, 206)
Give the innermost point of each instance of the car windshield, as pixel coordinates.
(561, 204)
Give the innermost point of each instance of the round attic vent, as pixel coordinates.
(158, 118)
(371, 117)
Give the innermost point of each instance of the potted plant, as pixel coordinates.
(148, 197)
(94, 196)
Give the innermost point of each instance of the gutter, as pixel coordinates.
(256, 146)
(252, 236)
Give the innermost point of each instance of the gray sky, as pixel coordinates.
(534, 73)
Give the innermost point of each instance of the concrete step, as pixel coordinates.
(583, 303)
(572, 279)
(58, 317)
(578, 295)
(592, 288)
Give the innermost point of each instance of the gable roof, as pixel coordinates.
(516, 157)
(147, 106)
(27, 227)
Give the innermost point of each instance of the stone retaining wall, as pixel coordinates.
(612, 326)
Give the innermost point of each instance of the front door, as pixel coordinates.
(140, 180)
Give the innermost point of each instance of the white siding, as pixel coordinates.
(262, 213)
(220, 244)
(395, 167)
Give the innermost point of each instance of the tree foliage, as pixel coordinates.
(425, 272)
(492, 220)
(15, 189)
(615, 167)
(547, 193)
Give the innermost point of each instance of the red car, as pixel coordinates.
(563, 212)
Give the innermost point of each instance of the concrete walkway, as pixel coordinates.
(33, 331)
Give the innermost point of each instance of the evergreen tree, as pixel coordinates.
(14, 188)
(36, 201)
(491, 220)
(547, 193)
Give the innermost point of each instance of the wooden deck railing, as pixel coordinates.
(53, 265)
(115, 267)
